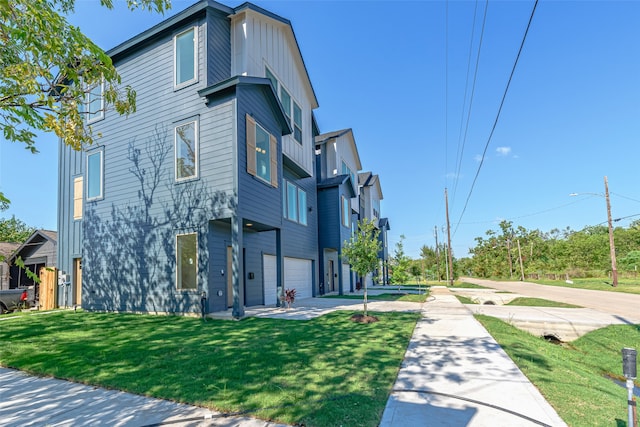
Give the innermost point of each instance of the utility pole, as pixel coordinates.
(446, 199)
(509, 258)
(612, 248)
(435, 233)
(521, 267)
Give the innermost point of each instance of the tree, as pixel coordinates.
(362, 251)
(401, 264)
(48, 68)
(14, 230)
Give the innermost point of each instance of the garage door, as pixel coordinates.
(298, 275)
(270, 279)
(346, 279)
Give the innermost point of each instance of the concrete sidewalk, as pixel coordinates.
(455, 374)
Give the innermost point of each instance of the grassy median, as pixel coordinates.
(575, 378)
(323, 372)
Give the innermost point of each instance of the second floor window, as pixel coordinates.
(345, 211)
(262, 153)
(291, 108)
(94, 175)
(95, 103)
(186, 57)
(294, 201)
(186, 151)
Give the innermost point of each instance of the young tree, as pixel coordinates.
(14, 230)
(47, 68)
(401, 264)
(362, 251)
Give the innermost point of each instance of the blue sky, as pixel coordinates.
(396, 73)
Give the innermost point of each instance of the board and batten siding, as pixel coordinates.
(218, 47)
(258, 41)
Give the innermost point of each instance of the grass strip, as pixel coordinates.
(573, 377)
(630, 286)
(385, 297)
(326, 371)
(540, 302)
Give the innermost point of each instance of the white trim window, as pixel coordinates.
(185, 54)
(94, 103)
(187, 261)
(262, 153)
(291, 108)
(294, 203)
(186, 150)
(95, 175)
(345, 211)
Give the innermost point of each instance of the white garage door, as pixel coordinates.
(270, 279)
(346, 279)
(298, 274)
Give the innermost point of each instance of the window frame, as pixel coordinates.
(290, 109)
(179, 267)
(88, 180)
(78, 198)
(345, 215)
(98, 115)
(300, 208)
(179, 85)
(267, 155)
(196, 150)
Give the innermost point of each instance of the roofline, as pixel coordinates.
(166, 25)
(263, 82)
(24, 244)
(250, 6)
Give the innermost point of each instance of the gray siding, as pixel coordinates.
(218, 47)
(257, 200)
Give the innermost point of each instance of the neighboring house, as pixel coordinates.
(37, 252)
(337, 164)
(370, 197)
(6, 249)
(209, 187)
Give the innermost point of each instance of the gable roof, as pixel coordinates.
(384, 223)
(39, 235)
(336, 181)
(368, 179)
(348, 133)
(262, 82)
(8, 248)
(200, 9)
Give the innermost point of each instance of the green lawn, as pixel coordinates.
(327, 371)
(385, 297)
(630, 286)
(572, 376)
(465, 300)
(465, 285)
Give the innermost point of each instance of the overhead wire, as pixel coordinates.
(473, 89)
(495, 122)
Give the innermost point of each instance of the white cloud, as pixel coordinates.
(477, 158)
(503, 151)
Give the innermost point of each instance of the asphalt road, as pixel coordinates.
(627, 306)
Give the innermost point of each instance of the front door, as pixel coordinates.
(77, 281)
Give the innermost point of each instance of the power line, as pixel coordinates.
(495, 123)
(473, 89)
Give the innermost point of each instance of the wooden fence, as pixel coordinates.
(48, 288)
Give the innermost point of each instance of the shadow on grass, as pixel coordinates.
(297, 368)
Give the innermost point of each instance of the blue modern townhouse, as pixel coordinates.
(209, 188)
